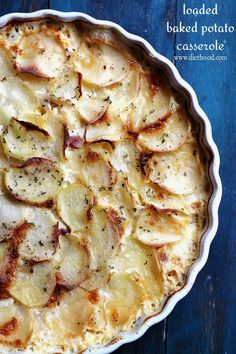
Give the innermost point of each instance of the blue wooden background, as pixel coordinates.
(205, 321)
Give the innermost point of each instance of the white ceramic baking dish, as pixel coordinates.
(205, 138)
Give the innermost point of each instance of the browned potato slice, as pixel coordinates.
(178, 172)
(40, 54)
(67, 320)
(23, 140)
(9, 258)
(156, 228)
(153, 101)
(121, 201)
(15, 324)
(10, 215)
(123, 299)
(161, 199)
(33, 285)
(107, 127)
(92, 104)
(136, 257)
(102, 64)
(71, 260)
(41, 240)
(70, 38)
(67, 87)
(96, 172)
(103, 148)
(74, 203)
(102, 231)
(37, 181)
(176, 258)
(167, 134)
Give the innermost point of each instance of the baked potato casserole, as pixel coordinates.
(104, 188)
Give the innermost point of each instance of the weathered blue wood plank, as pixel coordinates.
(153, 342)
(204, 322)
(7, 6)
(143, 18)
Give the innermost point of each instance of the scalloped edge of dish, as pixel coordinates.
(207, 141)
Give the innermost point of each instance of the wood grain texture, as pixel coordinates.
(7, 6)
(204, 321)
(137, 16)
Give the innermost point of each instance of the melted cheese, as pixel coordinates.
(103, 189)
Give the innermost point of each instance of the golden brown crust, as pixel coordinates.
(9, 327)
(9, 267)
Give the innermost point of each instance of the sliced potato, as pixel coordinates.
(70, 38)
(40, 54)
(101, 232)
(120, 200)
(8, 265)
(92, 104)
(11, 37)
(126, 159)
(79, 158)
(161, 199)
(41, 240)
(15, 324)
(122, 95)
(82, 157)
(37, 119)
(33, 285)
(6, 68)
(39, 86)
(11, 214)
(96, 279)
(156, 228)
(178, 172)
(176, 258)
(73, 204)
(102, 148)
(16, 99)
(136, 257)
(67, 87)
(96, 172)
(55, 127)
(71, 260)
(102, 64)
(37, 181)
(71, 117)
(23, 140)
(73, 136)
(153, 101)
(124, 297)
(68, 319)
(107, 127)
(167, 134)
